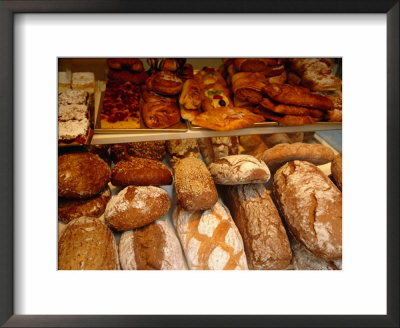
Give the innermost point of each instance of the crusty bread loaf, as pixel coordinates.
(69, 209)
(225, 146)
(274, 139)
(336, 169)
(140, 172)
(206, 150)
(87, 244)
(81, 175)
(239, 169)
(182, 148)
(312, 207)
(278, 155)
(194, 185)
(210, 239)
(250, 142)
(134, 207)
(265, 241)
(153, 247)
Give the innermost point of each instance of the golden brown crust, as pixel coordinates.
(295, 95)
(312, 207)
(250, 142)
(206, 149)
(248, 86)
(293, 78)
(291, 109)
(253, 64)
(87, 244)
(265, 241)
(278, 155)
(69, 209)
(320, 82)
(133, 64)
(160, 114)
(135, 207)
(194, 185)
(274, 139)
(165, 83)
(140, 172)
(81, 175)
(190, 97)
(150, 96)
(336, 169)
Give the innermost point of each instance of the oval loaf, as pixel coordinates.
(312, 207)
(239, 169)
(87, 244)
(135, 207)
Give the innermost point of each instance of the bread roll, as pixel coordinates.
(206, 150)
(87, 244)
(182, 148)
(140, 172)
(265, 241)
(224, 146)
(312, 207)
(336, 169)
(69, 209)
(81, 175)
(155, 150)
(239, 169)
(250, 142)
(278, 155)
(195, 188)
(134, 207)
(274, 139)
(210, 239)
(153, 247)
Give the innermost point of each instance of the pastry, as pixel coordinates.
(165, 83)
(83, 81)
(253, 64)
(134, 207)
(160, 114)
(133, 64)
(127, 76)
(64, 81)
(248, 86)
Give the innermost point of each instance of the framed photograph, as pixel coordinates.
(364, 34)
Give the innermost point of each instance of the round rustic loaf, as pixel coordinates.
(311, 205)
(69, 209)
(140, 172)
(336, 169)
(135, 207)
(153, 247)
(87, 244)
(239, 169)
(81, 175)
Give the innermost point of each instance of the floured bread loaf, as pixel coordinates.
(153, 247)
(134, 207)
(195, 188)
(312, 207)
(265, 241)
(87, 244)
(239, 169)
(336, 169)
(210, 239)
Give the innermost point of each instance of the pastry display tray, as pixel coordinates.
(317, 126)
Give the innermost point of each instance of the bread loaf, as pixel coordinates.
(140, 172)
(153, 247)
(217, 147)
(265, 241)
(210, 239)
(312, 207)
(278, 155)
(69, 209)
(87, 244)
(336, 169)
(81, 175)
(182, 148)
(239, 169)
(134, 207)
(195, 188)
(250, 142)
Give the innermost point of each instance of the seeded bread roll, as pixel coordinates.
(81, 175)
(69, 209)
(239, 169)
(278, 155)
(195, 188)
(312, 207)
(135, 207)
(336, 169)
(140, 172)
(87, 244)
(153, 247)
(265, 241)
(210, 239)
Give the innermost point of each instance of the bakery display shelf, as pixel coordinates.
(149, 135)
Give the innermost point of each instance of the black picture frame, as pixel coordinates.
(7, 11)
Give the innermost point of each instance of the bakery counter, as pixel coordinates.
(101, 137)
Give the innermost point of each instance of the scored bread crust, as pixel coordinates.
(140, 172)
(239, 169)
(312, 207)
(266, 243)
(278, 155)
(87, 244)
(135, 207)
(81, 175)
(210, 239)
(69, 209)
(153, 247)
